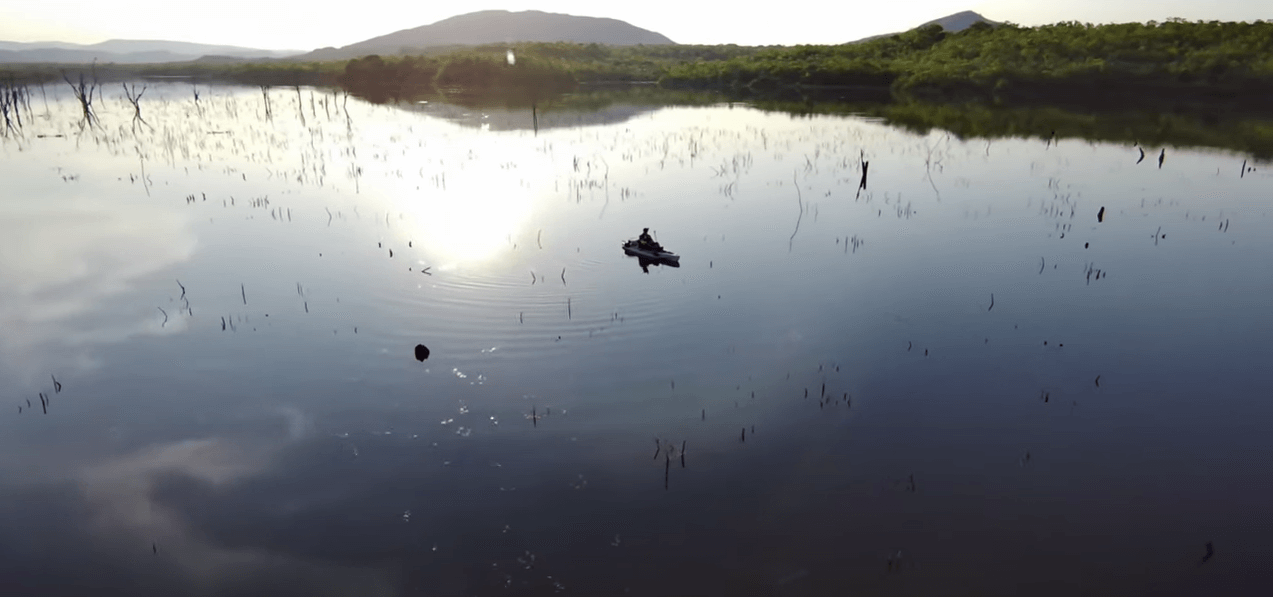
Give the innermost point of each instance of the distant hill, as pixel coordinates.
(498, 26)
(955, 22)
(126, 51)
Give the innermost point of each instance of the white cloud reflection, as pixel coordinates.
(64, 254)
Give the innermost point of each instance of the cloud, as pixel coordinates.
(64, 254)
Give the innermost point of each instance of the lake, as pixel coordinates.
(890, 362)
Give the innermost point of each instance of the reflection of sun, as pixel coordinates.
(472, 219)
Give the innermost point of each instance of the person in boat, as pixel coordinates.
(646, 242)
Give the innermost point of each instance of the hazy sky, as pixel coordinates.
(289, 24)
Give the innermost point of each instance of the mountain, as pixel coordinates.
(125, 51)
(952, 23)
(498, 26)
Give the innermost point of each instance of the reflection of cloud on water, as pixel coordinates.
(124, 499)
(62, 257)
(134, 523)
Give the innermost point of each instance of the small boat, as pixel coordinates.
(656, 255)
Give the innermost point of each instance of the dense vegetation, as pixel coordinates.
(539, 69)
(269, 72)
(1201, 59)
(380, 80)
(1066, 61)
(1209, 62)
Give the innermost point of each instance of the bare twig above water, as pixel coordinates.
(265, 94)
(83, 91)
(865, 165)
(800, 203)
(1210, 552)
(134, 98)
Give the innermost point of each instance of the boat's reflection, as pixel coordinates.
(646, 262)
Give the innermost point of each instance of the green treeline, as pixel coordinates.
(539, 69)
(380, 80)
(1172, 61)
(266, 73)
(1186, 60)
(1205, 58)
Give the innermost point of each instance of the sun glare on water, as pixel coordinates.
(472, 221)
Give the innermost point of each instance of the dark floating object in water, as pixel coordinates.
(992, 301)
(1142, 155)
(1161, 155)
(1085, 245)
(421, 352)
(1100, 215)
(1098, 381)
(1210, 552)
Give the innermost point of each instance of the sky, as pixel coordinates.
(289, 24)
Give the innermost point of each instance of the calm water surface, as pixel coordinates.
(957, 380)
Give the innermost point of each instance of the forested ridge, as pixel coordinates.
(1200, 56)
(1175, 59)
(1196, 59)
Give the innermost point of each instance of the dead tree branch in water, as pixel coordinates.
(300, 105)
(12, 97)
(83, 91)
(800, 202)
(865, 165)
(265, 93)
(134, 98)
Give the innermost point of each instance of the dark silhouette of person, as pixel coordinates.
(646, 242)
